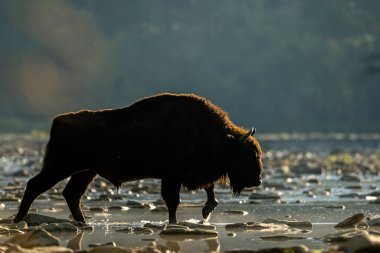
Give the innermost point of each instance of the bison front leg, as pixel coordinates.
(42, 182)
(170, 194)
(211, 202)
(74, 191)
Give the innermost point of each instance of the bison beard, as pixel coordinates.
(182, 139)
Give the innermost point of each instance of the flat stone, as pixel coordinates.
(170, 226)
(180, 234)
(292, 224)
(197, 225)
(350, 178)
(281, 238)
(264, 196)
(341, 207)
(263, 227)
(155, 226)
(97, 209)
(235, 212)
(39, 237)
(351, 222)
(134, 204)
(34, 219)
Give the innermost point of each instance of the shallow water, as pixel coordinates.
(305, 171)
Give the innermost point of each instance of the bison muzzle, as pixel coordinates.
(182, 139)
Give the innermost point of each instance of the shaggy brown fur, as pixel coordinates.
(182, 139)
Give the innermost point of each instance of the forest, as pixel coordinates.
(281, 66)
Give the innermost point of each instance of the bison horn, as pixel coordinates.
(244, 137)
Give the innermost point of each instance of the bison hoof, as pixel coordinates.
(208, 208)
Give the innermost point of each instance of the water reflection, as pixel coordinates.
(213, 245)
(75, 243)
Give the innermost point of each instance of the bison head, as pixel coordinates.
(244, 162)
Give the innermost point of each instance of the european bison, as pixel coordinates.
(182, 139)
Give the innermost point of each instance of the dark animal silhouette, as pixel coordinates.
(182, 139)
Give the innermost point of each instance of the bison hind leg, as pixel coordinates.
(211, 202)
(74, 191)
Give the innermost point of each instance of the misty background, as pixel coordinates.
(281, 66)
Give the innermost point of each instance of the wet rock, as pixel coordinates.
(136, 230)
(118, 208)
(197, 225)
(257, 226)
(9, 231)
(295, 249)
(34, 219)
(155, 226)
(264, 196)
(349, 195)
(236, 226)
(235, 212)
(281, 238)
(91, 245)
(231, 234)
(134, 204)
(158, 202)
(351, 222)
(354, 187)
(17, 249)
(375, 222)
(180, 234)
(6, 221)
(291, 224)
(152, 248)
(22, 225)
(60, 227)
(148, 240)
(350, 178)
(97, 209)
(341, 207)
(142, 231)
(313, 181)
(362, 242)
(170, 226)
(340, 236)
(35, 238)
(372, 194)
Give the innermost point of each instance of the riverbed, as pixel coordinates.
(319, 178)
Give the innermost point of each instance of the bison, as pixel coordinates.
(182, 139)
